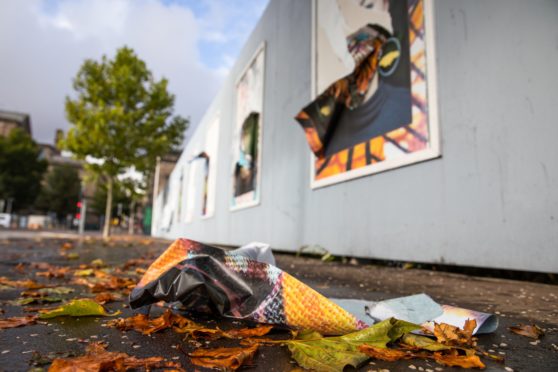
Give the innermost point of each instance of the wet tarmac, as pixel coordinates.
(515, 302)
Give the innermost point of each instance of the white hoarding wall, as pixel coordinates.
(446, 150)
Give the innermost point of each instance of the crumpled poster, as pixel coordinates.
(245, 284)
(205, 278)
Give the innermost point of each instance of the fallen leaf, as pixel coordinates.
(72, 256)
(17, 321)
(449, 356)
(85, 272)
(38, 359)
(28, 283)
(113, 283)
(464, 361)
(142, 323)
(261, 330)
(224, 358)
(40, 265)
(54, 272)
(20, 268)
(98, 263)
(382, 353)
(334, 353)
(307, 334)
(450, 335)
(80, 307)
(47, 291)
(105, 297)
(260, 340)
(36, 300)
(67, 245)
(135, 262)
(103, 282)
(96, 358)
(531, 331)
(421, 342)
(138, 322)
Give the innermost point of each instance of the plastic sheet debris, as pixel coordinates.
(206, 278)
(245, 284)
(256, 251)
(418, 309)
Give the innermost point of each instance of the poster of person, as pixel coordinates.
(247, 136)
(374, 105)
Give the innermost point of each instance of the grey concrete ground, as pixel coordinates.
(515, 302)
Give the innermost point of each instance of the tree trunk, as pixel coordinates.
(132, 217)
(108, 210)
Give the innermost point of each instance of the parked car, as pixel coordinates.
(5, 220)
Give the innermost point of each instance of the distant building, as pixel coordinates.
(10, 120)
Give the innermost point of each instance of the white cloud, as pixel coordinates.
(41, 51)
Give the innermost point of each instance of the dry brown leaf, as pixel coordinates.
(142, 323)
(454, 360)
(67, 246)
(138, 322)
(450, 358)
(451, 335)
(28, 283)
(17, 321)
(40, 265)
(54, 272)
(224, 358)
(105, 297)
(20, 268)
(260, 330)
(527, 330)
(469, 326)
(135, 262)
(96, 358)
(113, 283)
(103, 282)
(389, 355)
(197, 332)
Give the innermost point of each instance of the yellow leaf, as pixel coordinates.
(81, 307)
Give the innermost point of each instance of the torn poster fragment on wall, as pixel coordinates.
(371, 110)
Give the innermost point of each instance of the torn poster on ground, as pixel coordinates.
(245, 284)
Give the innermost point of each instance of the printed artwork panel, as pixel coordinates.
(371, 111)
(247, 135)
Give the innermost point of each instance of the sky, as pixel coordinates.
(193, 43)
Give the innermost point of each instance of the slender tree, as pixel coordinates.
(21, 169)
(122, 118)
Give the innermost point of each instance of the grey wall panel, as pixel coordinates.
(491, 200)
(285, 29)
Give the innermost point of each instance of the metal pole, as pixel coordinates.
(82, 212)
(9, 208)
(155, 193)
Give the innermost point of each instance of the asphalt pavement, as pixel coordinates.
(514, 302)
